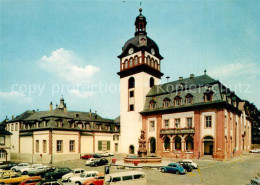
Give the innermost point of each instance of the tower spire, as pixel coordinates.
(140, 23)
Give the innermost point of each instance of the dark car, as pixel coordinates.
(173, 168)
(57, 174)
(42, 172)
(96, 156)
(99, 162)
(186, 165)
(87, 156)
(8, 166)
(49, 182)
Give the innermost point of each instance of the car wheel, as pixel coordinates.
(177, 172)
(162, 170)
(78, 183)
(95, 165)
(25, 172)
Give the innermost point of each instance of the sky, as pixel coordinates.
(50, 48)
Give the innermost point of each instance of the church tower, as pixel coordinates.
(140, 65)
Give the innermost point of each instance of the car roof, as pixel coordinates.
(126, 173)
(87, 172)
(78, 169)
(172, 163)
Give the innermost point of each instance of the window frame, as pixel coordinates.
(59, 145)
(175, 122)
(164, 123)
(206, 121)
(37, 146)
(2, 140)
(187, 122)
(152, 128)
(71, 145)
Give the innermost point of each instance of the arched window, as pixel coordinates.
(177, 143)
(2, 154)
(189, 143)
(166, 102)
(131, 62)
(177, 101)
(152, 63)
(189, 98)
(155, 64)
(136, 60)
(152, 104)
(131, 83)
(151, 82)
(167, 143)
(126, 64)
(148, 61)
(208, 94)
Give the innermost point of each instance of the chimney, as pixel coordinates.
(191, 76)
(180, 78)
(51, 107)
(90, 114)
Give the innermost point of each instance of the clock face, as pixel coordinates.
(152, 51)
(131, 51)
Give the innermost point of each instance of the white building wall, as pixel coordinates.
(151, 133)
(208, 131)
(41, 135)
(14, 129)
(86, 144)
(182, 116)
(131, 121)
(26, 146)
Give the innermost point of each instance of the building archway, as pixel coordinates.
(208, 145)
(3, 155)
(152, 145)
(131, 149)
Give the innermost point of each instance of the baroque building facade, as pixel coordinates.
(186, 118)
(59, 134)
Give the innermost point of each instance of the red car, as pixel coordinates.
(31, 180)
(86, 156)
(99, 180)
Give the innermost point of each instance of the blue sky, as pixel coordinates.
(70, 48)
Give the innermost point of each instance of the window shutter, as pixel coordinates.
(99, 145)
(108, 145)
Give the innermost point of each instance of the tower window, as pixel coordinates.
(152, 63)
(126, 64)
(151, 82)
(131, 83)
(131, 107)
(148, 61)
(131, 94)
(131, 62)
(136, 60)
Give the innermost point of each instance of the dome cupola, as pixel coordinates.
(140, 24)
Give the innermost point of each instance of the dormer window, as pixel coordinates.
(208, 95)
(152, 104)
(189, 99)
(166, 102)
(177, 100)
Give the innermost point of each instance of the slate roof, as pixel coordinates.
(2, 129)
(196, 87)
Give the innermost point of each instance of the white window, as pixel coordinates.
(72, 145)
(151, 126)
(189, 122)
(2, 140)
(2, 154)
(59, 145)
(177, 123)
(208, 121)
(166, 123)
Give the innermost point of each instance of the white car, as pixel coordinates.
(26, 171)
(256, 150)
(30, 168)
(74, 173)
(83, 177)
(20, 166)
(105, 154)
(88, 161)
(193, 164)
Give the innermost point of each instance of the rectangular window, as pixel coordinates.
(2, 140)
(44, 146)
(131, 94)
(16, 126)
(208, 122)
(12, 127)
(151, 126)
(131, 107)
(108, 145)
(37, 145)
(189, 122)
(177, 123)
(166, 123)
(99, 145)
(72, 145)
(59, 145)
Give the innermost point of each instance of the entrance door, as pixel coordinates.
(131, 149)
(152, 145)
(208, 145)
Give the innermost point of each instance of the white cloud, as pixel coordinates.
(80, 94)
(15, 96)
(235, 70)
(63, 63)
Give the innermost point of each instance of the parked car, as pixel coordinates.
(40, 172)
(13, 179)
(6, 172)
(105, 154)
(98, 180)
(256, 150)
(186, 165)
(99, 162)
(31, 168)
(49, 182)
(87, 163)
(8, 166)
(87, 156)
(255, 181)
(96, 156)
(83, 177)
(173, 168)
(193, 164)
(57, 174)
(127, 178)
(20, 166)
(74, 173)
(31, 181)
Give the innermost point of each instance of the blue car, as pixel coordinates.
(173, 168)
